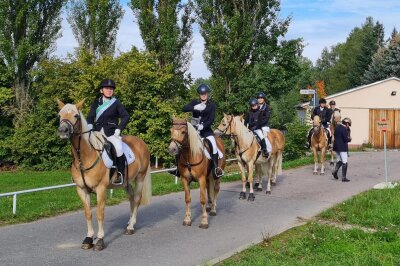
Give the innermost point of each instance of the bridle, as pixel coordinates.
(229, 127)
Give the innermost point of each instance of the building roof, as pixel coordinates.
(353, 90)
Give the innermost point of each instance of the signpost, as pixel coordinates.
(310, 92)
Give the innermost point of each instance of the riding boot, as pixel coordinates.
(218, 172)
(264, 148)
(308, 145)
(176, 171)
(344, 173)
(338, 165)
(119, 179)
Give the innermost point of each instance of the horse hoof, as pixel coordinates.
(242, 195)
(187, 223)
(259, 189)
(315, 173)
(87, 243)
(267, 192)
(256, 185)
(203, 226)
(213, 213)
(129, 231)
(322, 173)
(99, 246)
(208, 209)
(251, 197)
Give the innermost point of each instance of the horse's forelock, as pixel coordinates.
(68, 109)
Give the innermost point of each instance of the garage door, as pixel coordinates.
(392, 135)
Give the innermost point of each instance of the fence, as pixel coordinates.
(15, 193)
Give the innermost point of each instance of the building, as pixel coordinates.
(365, 106)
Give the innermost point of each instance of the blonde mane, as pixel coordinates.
(242, 131)
(316, 120)
(196, 145)
(336, 117)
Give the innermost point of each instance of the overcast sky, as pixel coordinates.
(321, 23)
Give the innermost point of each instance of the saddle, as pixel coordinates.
(109, 155)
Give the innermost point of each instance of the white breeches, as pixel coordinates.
(213, 143)
(262, 133)
(342, 156)
(117, 142)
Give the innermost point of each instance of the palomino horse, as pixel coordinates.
(248, 154)
(319, 142)
(90, 174)
(193, 165)
(336, 117)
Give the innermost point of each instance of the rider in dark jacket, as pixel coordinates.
(104, 114)
(323, 112)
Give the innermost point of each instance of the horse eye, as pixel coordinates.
(76, 116)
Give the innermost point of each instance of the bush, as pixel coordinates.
(296, 137)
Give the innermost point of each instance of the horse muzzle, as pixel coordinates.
(64, 131)
(173, 148)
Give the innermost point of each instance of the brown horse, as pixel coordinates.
(193, 165)
(248, 152)
(335, 119)
(90, 174)
(319, 142)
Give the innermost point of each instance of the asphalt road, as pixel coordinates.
(160, 238)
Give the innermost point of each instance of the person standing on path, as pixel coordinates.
(340, 146)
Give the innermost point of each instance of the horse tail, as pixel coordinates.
(279, 167)
(146, 191)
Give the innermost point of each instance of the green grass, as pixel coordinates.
(33, 206)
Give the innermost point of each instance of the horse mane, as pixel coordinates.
(316, 120)
(196, 145)
(336, 118)
(242, 130)
(95, 139)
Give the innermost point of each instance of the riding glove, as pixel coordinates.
(200, 127)
(200, 107)
(117, 132)
(90, 127)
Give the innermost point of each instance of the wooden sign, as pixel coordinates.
(382, 125)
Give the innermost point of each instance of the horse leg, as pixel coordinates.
(187, 221)
(250, 180)
(259, 174)
(85, 198)
(270, 165)
(209, 197)
(101, 202)
(134, 201)
(315, 161)
(243, 173)
(215, 188)
(203, 201)
(323, 152)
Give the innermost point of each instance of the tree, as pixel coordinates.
(238, 34)
(386, 62)
(95, 24)
(28, 30)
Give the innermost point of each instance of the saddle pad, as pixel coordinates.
(129, 155)
(207, 154)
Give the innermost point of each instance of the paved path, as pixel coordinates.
(160, 239)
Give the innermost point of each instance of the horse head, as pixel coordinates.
(336, 118)
(70, 119)
(226, 127)
(179, 135)
(316, 124)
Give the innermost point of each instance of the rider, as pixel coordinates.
(332, 109)
(340, 146)
(255, 121)
(104, 114)
(203, 110)
(323, 112)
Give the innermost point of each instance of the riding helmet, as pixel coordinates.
(203, 88)
(332, 102)
(346, 120)
(107, 83)
(262, 95)
(253, 101)
(322, 100)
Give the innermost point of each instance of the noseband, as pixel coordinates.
(226, 129)
(180, 144)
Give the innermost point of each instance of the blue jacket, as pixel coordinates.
(342, 138)
(109, 119)
(207, 116)
(264, 115)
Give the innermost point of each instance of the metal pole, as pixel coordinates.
(176, 180)
(15, 204)
(156, 161)
(111, 193)
(384, 148)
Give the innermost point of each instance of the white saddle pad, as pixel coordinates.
(129, 155)
(207, 154)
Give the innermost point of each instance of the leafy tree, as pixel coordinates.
(28, 29)
(95, 24)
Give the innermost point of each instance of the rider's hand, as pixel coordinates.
(200, 107)
(200, 127)
(90, 127)
(117, 132)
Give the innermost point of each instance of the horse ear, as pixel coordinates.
(80, 104)
(60, 104)
(241, 117)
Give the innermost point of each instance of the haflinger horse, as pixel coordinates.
(247, 152)
(319, 142)
(90, 174)
(336, 118)
(193, 165)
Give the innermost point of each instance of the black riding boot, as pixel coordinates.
(308, 145)
(338, 165)
(120, 170)
(344, 173)
(264, 148)
(176, 171)
(218, 172)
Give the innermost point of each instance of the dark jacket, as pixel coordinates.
(264, 115)
(342, 137)
(109, 119)
(207, 116)
(323, 114)
(252, 119)
(331, 111)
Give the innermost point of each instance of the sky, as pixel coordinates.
(320, 23)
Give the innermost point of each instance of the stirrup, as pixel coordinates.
(216, 174)
(265, 154)
(119, 179)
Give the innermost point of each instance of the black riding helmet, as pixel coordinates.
(262, 95)
(332, 102)
(203, 88)
(253, 101)
(107, 83)
(322, 100)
